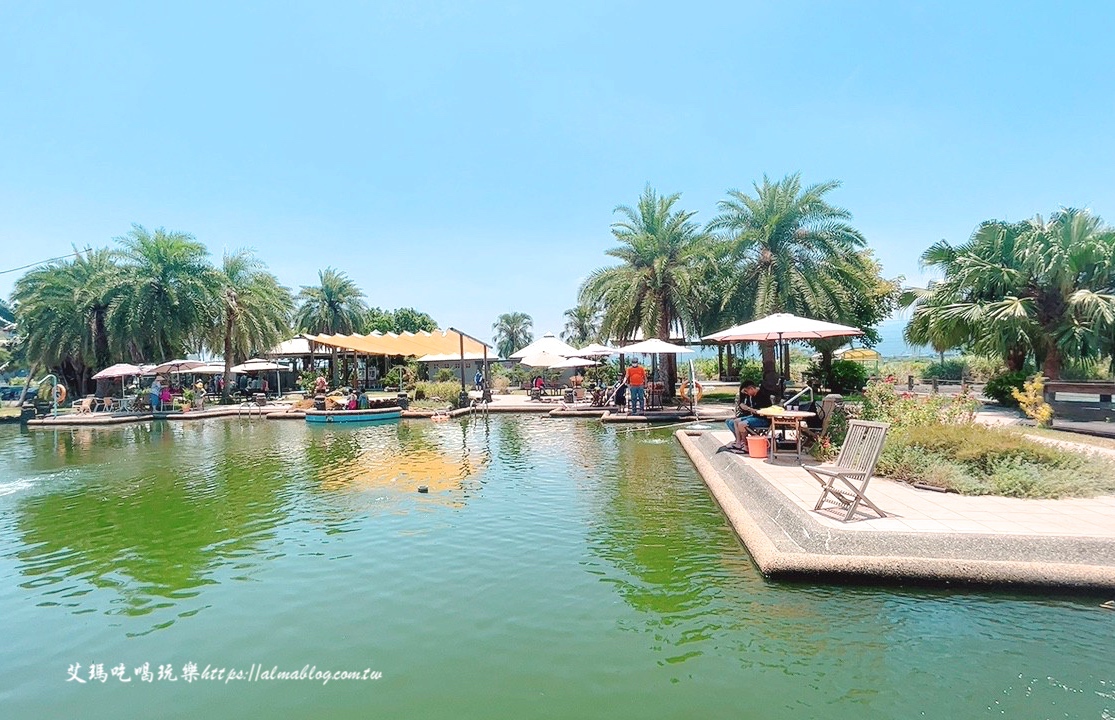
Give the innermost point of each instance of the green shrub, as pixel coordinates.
(1000, 387)
(947, 370)
(445, 375)
(750, 370)
(882, 402)
(982, 368)
(443, 392)
(980, 460)
(847, 376)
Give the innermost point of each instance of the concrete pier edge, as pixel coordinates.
(775, 560)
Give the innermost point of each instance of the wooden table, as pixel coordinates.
(785, 420)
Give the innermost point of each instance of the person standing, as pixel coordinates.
(479, 379)
(156, 393)
(636, 377)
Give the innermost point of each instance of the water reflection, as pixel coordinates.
(140, 530)
(397, 459)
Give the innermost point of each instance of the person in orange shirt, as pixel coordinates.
(636, 377)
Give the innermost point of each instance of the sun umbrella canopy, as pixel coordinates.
(547, 343)
(542, 359)
(575, 362)
(655, 346)
(174, 366)
(596, 349)
(210, 369)
(783, 326)
(118, 370)
(258, 365)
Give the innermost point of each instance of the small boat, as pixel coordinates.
(353, 416)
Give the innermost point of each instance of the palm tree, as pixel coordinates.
(662, 253)
(1046, 288)
(790, 251)
(253, 313)
(169, 297)
(63, 310)
(512, 332)
(334, 306)
(582, 325)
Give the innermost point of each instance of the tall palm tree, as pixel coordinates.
(254, 311)
(582, 325)
(334, 306)
(1041, 287)
(170, 294)
(63, 311)
(662, 254)
(791, 252)
(512, 332)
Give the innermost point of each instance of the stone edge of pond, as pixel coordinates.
(785, 542)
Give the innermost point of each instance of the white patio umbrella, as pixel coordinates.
(575, 362)
(596, 350)
(783, 326)
(261, 365)
(546, 343)
(542, 359)
(177, 366)
(210, 369)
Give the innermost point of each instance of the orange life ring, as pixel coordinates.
(59, 394)
(685, 390)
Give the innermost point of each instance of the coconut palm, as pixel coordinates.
(662, 255)
(169, 297)
(334, 306)
(1040, 287)
(254, 311)
(790, 251)
(582, 325)
(63, 311)
(512, 332)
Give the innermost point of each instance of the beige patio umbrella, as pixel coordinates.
(780, 327)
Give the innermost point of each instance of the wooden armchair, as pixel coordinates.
(853, 469)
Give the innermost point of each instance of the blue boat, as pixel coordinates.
(353, 416)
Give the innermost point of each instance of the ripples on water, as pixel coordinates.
(557, 562)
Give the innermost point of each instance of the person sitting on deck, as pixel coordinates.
(320, 385)
(351, 405)
(746, 421)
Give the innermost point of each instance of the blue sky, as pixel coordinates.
(466, 158)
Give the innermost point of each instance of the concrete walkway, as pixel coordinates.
(927, 535)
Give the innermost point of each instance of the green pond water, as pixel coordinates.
(555, 569)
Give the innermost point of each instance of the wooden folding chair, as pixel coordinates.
(853, 469)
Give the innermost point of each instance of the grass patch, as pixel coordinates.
(1065, 436)
(980, 460)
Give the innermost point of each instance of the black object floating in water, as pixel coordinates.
(423, 489)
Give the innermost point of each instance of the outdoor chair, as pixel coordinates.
(83, 406)
(845, 482)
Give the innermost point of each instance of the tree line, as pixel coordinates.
(1034, 291)
(156, 296)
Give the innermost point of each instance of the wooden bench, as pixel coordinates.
(1081, 409)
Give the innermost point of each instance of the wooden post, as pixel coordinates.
(720, 362)
(462, 339)
(910, 383)
(935, 388)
